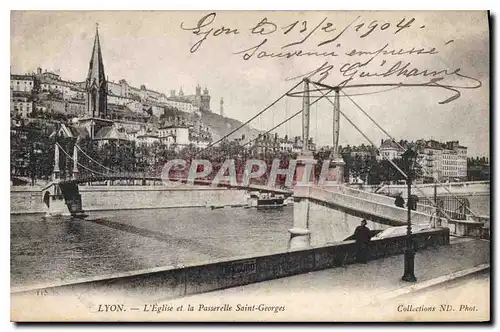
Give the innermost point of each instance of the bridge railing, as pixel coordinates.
(470, 186)
(361, 194)
(431, 210)
(369, 207)
(393, 215)
(383, 199)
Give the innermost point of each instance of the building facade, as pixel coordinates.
(174, 134)
(439, 161)
(21, 106)
(389, 150)
(22, 83)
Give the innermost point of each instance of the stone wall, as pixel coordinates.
(173, 282)
(154, 197)
(26, 200)
(97, 198)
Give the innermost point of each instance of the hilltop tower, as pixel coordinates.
(96, 85)
(205, 101)
(221, 106)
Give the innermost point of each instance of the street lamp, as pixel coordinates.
(409, 160)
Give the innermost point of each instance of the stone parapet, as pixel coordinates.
(177, 281)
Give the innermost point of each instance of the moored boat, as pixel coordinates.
(265, 200)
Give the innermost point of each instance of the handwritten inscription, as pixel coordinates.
(384, 66)
(202, 29)
(300, 31)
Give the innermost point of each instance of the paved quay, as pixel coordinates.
(351, 293)
(345, 293)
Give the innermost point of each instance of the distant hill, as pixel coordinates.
(220, 126)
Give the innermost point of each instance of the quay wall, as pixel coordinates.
(101, 198)
(156, 197)
(170, 282)
(26, 200)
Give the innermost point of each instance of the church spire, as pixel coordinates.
(96, 81)
(96, 67)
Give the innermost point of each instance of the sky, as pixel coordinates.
(153, 48)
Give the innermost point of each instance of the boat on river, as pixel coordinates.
(265, 200)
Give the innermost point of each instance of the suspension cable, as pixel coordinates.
(278, 125)
(266, 132)
(401, 147)
(390, 161)
(78, 163)
(247, 122)
(317, 120)
(92, 159)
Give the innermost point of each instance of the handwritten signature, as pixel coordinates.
(399, 69)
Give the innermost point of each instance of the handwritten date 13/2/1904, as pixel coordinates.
(299, 31)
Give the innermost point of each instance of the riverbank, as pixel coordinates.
(331, 294)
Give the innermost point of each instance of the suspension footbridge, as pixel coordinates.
(334, 194)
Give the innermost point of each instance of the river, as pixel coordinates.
(63, 249)
(52, 250)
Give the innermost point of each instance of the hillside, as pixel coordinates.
(220, 126)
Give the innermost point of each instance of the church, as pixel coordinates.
(96, 115)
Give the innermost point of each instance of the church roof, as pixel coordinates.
(389, 144)
(70, 131)
(110, 133)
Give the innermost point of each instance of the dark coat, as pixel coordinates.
(362, 235)
(399, 202)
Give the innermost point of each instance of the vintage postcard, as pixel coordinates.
(250, 166)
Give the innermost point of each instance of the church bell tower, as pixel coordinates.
(96, 85)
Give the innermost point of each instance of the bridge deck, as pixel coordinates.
(370, 206)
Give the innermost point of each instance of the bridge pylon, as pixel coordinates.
(75, 162)
(56, 172)
(300, 236)
(336, 160)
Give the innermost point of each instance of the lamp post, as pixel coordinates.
(409, 159)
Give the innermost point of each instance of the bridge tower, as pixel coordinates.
(56, 172)
(300, 236)
(75, 161)
(337, 163)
